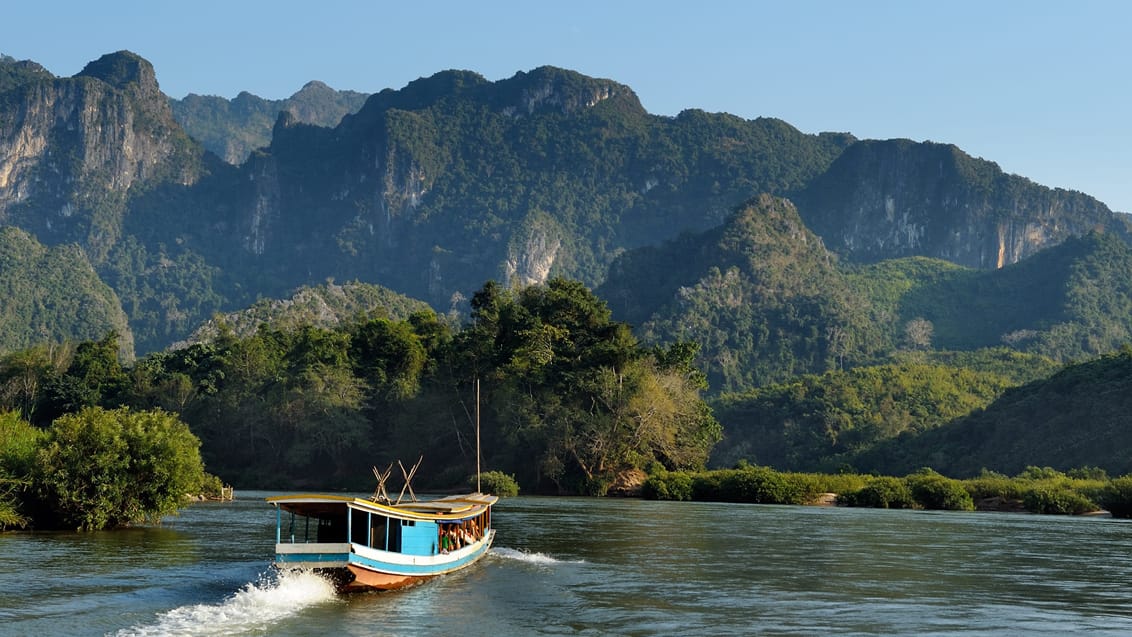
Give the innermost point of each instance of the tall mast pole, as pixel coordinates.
(478, 435)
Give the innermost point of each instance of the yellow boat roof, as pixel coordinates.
(449, 507)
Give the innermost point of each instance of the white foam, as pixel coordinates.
(530, 558)
(255, 606)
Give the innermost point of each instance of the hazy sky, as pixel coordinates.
(1042, 88)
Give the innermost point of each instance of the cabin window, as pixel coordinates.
(378, 529)
(359, 525)
(331, 530)
(304, 529)
(395, 536)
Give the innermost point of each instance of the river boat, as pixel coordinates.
(366, 544)
(376, 543)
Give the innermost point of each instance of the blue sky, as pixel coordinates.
(1042, 88)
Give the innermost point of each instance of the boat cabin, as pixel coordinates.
(416, 528)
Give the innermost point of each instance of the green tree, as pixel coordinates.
(573, 399)
(108, 468)
(390, 357)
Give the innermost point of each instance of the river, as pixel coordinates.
(579, 566)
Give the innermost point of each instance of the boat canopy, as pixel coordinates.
(446, 509)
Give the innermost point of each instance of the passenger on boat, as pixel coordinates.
(446, 540)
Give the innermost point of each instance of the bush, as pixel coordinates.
(498, 483)
(19, 442)
(755, 485)
(1116, 497)
(211, 487)
(103, 469)
(9, 505)
(933, 491)
(1061, 500)
(668, 486)
(995, 485)
(839, 482)
(881, 493)
(1040, 473)
(1087, 473)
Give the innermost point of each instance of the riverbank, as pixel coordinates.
(1036, 490)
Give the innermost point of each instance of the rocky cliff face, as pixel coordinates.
(72, 149)
(897, 198)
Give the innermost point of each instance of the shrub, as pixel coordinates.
(882, 493)
(995, 485)
(1040, 473)
(839, 482)
(498, 483)
(102, 469)
(668, 486)
(757, 485)
(211, 487)
(1116, 497)
(9, 505)
(19, 442)
(933, 491)
(1087, 473)
(1060, 500)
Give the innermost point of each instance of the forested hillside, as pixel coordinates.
(1077, 417)
(766, 301)
(325, 306)
(818, 423)
(50, 295)
(450, 181)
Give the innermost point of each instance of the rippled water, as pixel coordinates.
(598, 567)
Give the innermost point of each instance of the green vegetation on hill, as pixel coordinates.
(1075, 417)
(760, 295)
(1067, 302)
(326, 306)
(53, 294)
(814, 422)
(766, 302)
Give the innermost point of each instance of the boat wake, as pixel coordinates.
(252, 608)
(529, 558)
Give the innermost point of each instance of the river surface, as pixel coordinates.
(575, 566)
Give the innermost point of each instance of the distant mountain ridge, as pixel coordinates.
(232, 129)
(452, 180)
(898, 198)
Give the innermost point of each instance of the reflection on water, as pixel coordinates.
(587, 566)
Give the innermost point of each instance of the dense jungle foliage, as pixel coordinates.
(812, 362)
(569, 398)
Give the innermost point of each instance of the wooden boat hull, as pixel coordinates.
(366, 580)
